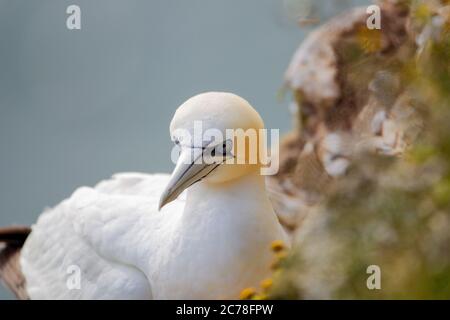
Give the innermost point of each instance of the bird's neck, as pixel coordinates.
(247, 193)
(226, 229)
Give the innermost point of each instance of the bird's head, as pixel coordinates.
(219, 137)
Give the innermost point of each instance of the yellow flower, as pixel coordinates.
(266, 284)
(422, 12)
(247, 293)
(369, 40)
(277, 246)
(281, 255)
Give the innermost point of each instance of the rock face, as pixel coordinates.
(348, 99)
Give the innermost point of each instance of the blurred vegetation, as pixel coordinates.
(393, 212)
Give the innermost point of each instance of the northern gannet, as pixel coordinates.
(209, 242)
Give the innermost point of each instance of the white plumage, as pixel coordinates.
(209, 243)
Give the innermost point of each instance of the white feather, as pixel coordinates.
(126, 249)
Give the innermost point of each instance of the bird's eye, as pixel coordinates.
(221, 150)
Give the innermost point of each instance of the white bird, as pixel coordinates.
(113, 242)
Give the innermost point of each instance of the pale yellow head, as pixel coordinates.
(220, 127)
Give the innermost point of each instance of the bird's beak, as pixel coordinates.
(190, 168)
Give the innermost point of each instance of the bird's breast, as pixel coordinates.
(216, 254)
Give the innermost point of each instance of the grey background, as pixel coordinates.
(77, 106)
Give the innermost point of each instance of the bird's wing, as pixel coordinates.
(134, 183)
(95, 244)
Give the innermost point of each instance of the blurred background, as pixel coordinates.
(77, 106)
